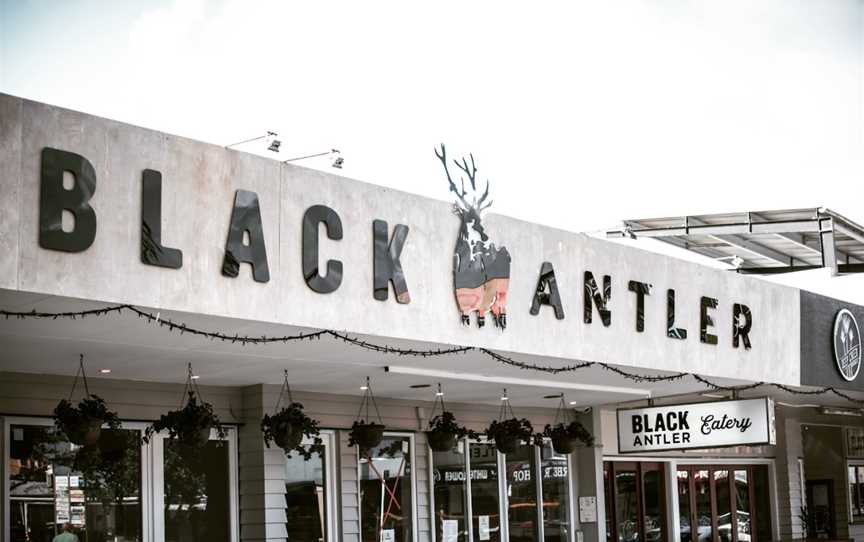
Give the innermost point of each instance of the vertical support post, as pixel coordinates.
(829, 249)
(469, 510)
(673, 517)
(538, 476)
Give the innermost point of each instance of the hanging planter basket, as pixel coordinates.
(189, 426)
(82, 425)
(568, 434)
(287, 427)
(510, 433)
(444, 432)
(365, 432)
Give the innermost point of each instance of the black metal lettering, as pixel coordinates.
(54, 199)
(672, 331)
(331, 280)
(705, 320)
(386, 265)
(152, 250)
(641, 289)
(592, 293)
(742, 321)
(246, 219)
(551, 297)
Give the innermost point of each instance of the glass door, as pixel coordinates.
(521, 497)
(724, 503)
(194, 496)
(308, 493)
(637, 504)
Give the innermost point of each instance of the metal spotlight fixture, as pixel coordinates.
(274, 143)
(337, 158)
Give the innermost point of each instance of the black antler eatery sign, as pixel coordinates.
(481, 266)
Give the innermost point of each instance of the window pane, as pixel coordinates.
(385, 491)
(684, 505)
(626, 506)
(522, 495)
(762, 503)
(556, 495)
(450, 511)
(653, 496)
(724, 512)
(94, 491)
(607, 493)
(485, 505)
(197, 501)
(306, 497)
(742, 505)
(702, 490)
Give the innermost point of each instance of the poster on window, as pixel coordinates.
(698, 425)
(483, 527)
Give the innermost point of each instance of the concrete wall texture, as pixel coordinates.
(199, 182)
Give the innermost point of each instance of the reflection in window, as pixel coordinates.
(306, 497)
(197, 502)
(556, 495)
(385, 491)
(93, 492)
(522, 494)
(486, 518)
(724, 513)
(653, 496)
(702, 491)
(626, 509)
(742, 505)
(762, 503)
(450, 509)
(684, 505)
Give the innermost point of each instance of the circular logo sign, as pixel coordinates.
(847, 345)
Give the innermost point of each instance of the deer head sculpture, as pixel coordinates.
(481, 271)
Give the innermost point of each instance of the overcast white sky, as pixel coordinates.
(581, 113)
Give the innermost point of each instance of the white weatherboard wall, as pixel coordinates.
(199, 182)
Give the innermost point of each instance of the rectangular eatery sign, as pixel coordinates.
(696, 425)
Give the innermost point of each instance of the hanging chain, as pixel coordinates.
(80, 372)
(439, 398)
(286, 390)
(368, 397)
(561, 411)
(505, 405)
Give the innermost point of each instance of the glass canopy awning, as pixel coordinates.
(762, 242)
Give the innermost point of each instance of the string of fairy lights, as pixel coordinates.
(245, 339)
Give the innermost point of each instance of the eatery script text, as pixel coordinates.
(245, 245)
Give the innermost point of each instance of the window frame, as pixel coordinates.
(152, 476)
(328, 437)
(856, 464)
(414, 470)
(503, 501)
(157, 488)
(40, 421)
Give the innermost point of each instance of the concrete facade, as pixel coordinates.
(199, 182)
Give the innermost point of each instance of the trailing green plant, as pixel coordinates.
(190, 425)
(446, 423)
(365, 435)
(82, 424)
(565, 433)
(508, 433)
(443, 432)
(287, 428)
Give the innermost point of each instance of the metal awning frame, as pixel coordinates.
(822, 223)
